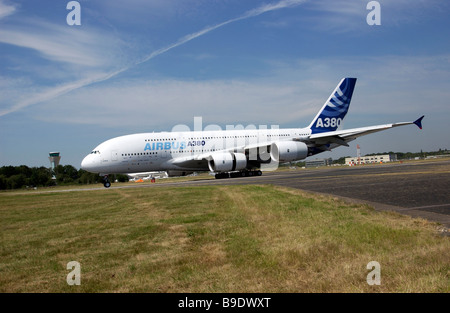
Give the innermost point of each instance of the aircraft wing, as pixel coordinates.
(342, 137)
(198, 161)
(321, 141)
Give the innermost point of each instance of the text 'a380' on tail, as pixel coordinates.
(335, 108)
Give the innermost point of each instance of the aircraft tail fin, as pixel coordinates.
(335, 108)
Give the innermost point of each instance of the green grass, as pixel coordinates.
(213, 239)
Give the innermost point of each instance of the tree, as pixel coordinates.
(87, 178)
(3, 182)
(66, 174)
(41, 177)
(16, 181)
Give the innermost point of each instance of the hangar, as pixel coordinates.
(370, 159)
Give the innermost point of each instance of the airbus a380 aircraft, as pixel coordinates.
(230, 153)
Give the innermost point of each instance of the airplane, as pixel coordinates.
(231, 153)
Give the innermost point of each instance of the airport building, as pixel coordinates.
(318, 162)
(371, 159)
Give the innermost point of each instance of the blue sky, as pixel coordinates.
(142, 66)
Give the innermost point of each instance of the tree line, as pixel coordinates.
(16, 177)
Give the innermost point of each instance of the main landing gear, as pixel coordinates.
(238, 174)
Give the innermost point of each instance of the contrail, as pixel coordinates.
(59, 91)
(64, 89)
(252, 13)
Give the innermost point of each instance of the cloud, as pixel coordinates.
(89, 56)
(6, 9)
(58, 45)
(61, 43)
(54, 92)
(76, 57)
(272, 7)
(342, 16)
(140, 103)
(251, 13)
(292, 93)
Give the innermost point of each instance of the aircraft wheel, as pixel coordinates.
(106, 182)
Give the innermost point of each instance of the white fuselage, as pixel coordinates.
(155, 151)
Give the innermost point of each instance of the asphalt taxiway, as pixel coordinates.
(418, 189)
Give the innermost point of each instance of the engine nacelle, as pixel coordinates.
(287, 151)
(227, 162)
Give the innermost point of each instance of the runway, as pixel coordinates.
(418, 189)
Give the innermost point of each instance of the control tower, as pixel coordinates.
(54, 158)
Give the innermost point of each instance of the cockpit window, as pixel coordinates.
(95, 152)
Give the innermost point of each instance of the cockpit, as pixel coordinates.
(91, 161)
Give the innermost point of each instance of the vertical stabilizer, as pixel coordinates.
(335, 108)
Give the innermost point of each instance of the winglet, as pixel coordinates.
(418, 122)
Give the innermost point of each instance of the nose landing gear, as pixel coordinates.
(106, 181)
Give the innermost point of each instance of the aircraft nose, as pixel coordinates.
(84, 163)
(87, 164)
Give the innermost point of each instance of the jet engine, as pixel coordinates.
(287, 151)
(227, 162)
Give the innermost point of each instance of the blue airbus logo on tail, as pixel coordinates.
(335, 109)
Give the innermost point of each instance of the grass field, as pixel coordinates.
(213, 239)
